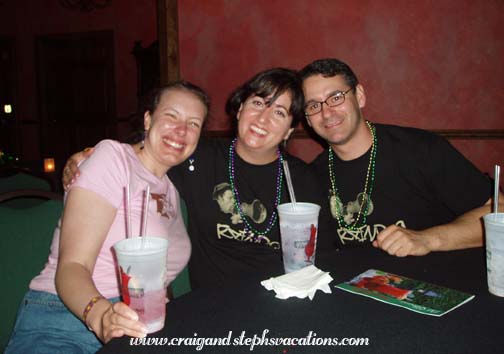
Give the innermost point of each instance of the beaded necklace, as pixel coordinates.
(368, 184)
(231, 169)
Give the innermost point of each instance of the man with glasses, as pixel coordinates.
(404, 190)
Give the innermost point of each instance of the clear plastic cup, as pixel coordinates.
(298, 231)
(494, 234)
(142, 274)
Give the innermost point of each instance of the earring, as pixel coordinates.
(191, 166)
(142, 143)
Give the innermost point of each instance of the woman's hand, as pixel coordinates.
(71, 170)
(115, 320)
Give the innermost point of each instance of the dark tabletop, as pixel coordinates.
(245, 306)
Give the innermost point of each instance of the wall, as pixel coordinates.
(434, 64)
(130, 20)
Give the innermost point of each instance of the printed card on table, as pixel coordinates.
(414, 295)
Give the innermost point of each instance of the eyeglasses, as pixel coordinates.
(334, 100)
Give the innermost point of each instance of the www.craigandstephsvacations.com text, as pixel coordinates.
(250, 341)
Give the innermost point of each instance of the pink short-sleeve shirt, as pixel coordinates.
(107, 173)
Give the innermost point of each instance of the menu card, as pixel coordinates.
(414, 295)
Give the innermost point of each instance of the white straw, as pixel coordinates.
(145, 212)
(496, 189)
(127, 207)
(289, 184)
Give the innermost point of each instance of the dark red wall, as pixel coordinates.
(432, 64)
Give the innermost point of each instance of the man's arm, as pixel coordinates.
(466, 231)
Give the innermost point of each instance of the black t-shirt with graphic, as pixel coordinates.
(220, 247)
(420, 181)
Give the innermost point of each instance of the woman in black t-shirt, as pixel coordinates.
(233, 187)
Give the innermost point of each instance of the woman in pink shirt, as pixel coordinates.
(77, 292)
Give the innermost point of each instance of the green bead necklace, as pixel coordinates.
(369, 183)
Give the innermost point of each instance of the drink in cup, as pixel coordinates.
(142, 272)
(494, 235)
(298, 231)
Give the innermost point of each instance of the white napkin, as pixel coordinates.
(301, 283)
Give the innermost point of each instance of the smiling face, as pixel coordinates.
(173, 130)
(337, 125)
(262, 125)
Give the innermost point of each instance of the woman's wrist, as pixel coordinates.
(95, 315)
(90, 305)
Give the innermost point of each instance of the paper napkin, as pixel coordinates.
(301, 283)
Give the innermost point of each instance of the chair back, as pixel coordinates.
(19, 179)
(14, 178)
(25, 239)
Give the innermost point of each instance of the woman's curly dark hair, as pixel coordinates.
(273, 82)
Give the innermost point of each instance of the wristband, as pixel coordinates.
(90, 305)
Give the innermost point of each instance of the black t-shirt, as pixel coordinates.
(220, 247)
(420, 181)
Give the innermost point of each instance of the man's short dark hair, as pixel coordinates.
(330, 67)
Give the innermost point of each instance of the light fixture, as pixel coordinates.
(7, 108)
(49, 165)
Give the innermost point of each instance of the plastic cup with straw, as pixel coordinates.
(298, 229)
(494, 243)
(142, 268)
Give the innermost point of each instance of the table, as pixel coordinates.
(245, 305)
